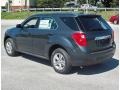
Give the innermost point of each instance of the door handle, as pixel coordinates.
(27, 34)
(50, 34)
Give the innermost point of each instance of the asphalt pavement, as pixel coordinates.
(26, 72)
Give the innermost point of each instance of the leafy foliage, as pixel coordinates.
(50, 3)
(60, 3)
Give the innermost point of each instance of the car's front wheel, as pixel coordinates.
(61, 61)
(10, 47)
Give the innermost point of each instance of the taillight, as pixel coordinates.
(79, 38)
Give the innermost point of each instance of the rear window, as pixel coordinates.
(93, 23)
(70, 22)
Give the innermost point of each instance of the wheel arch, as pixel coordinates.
(6, 37)
(53, 47)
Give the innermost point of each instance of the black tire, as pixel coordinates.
(67, 66)
(13, 51)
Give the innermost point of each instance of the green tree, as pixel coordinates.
(93, 2)
(50, 3)
(60, 3)
(82, 2)
(114, 3)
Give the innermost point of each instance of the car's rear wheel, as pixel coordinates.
(10, 47)
(61, 61)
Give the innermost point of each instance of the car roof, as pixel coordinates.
(67, 14)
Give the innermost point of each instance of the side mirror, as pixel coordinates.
(18, 26)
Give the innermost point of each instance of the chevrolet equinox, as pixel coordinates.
(66, 39)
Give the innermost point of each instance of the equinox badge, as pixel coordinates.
(103, 37)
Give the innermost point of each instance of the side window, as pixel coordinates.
(47, 23)
(32, 23)
(70, 22)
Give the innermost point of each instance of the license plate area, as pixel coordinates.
(103, 41)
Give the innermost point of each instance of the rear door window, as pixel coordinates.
(93, 23)
(70, 22)
(47, 23)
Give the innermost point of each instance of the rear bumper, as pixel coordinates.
(85, 59)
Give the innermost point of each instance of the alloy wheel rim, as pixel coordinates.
(9, 47)
(59, 61)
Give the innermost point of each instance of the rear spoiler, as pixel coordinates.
(89, 15)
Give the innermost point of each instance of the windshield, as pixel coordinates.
(93, 23)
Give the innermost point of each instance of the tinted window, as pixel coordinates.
(93, 23)
(31, 23)
(70, 22)
(47, 23)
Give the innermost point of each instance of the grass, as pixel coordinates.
(16, 15)
(106, 15)
(22, 15)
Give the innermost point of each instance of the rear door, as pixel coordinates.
(42, 34)
(98, 32)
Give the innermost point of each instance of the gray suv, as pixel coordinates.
(66, 39)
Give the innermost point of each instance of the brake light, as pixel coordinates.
(79, 38)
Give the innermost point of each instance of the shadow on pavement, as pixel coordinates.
(96, 69)
(39, 60)
(87, 70)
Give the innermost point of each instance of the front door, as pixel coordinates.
(24, 39)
